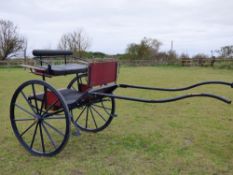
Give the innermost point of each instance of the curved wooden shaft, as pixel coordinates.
(165, 100)
(176, 89)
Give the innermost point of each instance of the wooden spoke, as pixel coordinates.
(49, 136)
(34, 94)
(80, 114)
(21, 135)
(24, 96)
(41, 108)
(103, 107)
(93, 118)
(24, 119)
(34, 135)
(98, 113)
(42, 104)
(53, 128)
(25, 110)
(87, 116)
(42, 138)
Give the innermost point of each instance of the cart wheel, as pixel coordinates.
(95, 116)
(40, 118)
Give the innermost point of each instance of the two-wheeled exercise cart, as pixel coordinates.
(41, 115)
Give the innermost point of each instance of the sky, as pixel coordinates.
(194, 26)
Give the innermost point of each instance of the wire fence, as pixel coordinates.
(181, 62)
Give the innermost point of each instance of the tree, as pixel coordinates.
(184, 56)
(10, 41)
(132, 51)
(226, 51)
(147, 49)
(153, 45)
(76, 41)
(172, 57)
(200, 58)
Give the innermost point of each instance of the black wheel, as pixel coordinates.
(40, 118)
(94, 115)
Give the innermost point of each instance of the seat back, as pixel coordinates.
(101, 73)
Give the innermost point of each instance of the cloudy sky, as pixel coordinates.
(195, 26)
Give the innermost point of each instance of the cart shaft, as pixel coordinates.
(177, 89)
(165, 100)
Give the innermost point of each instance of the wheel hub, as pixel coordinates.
(38, 117)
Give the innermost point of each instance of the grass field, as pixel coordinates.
(193, 136)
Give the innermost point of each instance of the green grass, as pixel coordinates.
(223, 65)
(193, 136)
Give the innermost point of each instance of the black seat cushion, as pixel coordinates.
(65, 69)
(48, 53)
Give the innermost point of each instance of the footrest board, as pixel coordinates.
(70, 96)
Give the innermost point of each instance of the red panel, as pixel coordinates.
(51, 98)
(40, 72)
(83, 87)
(102, 73)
